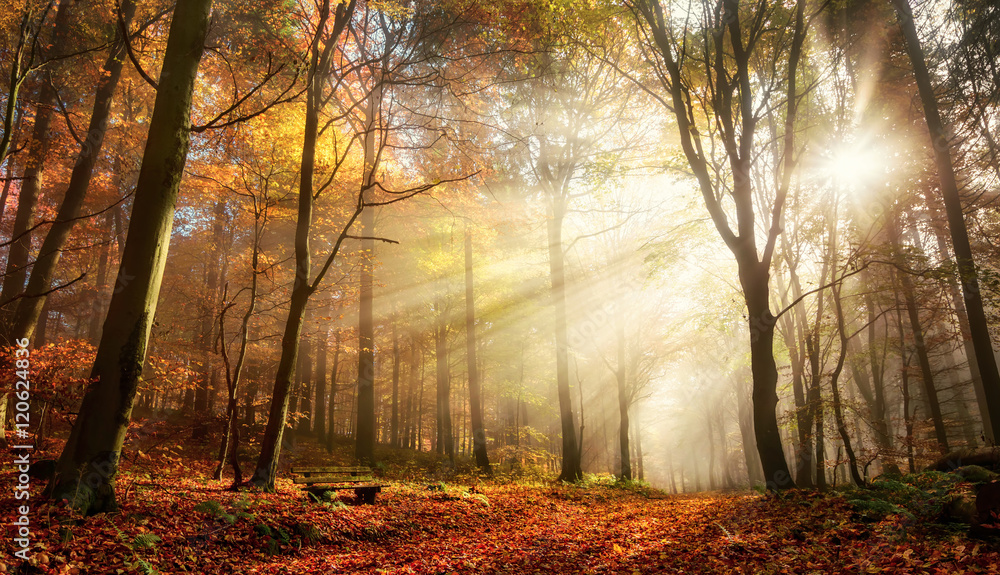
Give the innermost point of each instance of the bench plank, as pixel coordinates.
(319, 479)
(352, 470)
(332, 479)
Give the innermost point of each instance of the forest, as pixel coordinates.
(444, 286)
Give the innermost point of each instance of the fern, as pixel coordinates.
(336, 505)
(142, 567)
(145, 540)
(478, 497)
(215, 509)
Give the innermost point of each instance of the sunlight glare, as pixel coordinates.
(855, 166)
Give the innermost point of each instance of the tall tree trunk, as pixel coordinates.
(754, 267)
(319, 377)
(231, 435)
(43, 271)
(304, 375)
(754, 279)
(755, 473)
(916, 328)
(637, 433)
(366, 423)
(883, 433)
(267, 463)
(88, 465)
(41, 333)
(923, 360)
(394, 418)
(21, 62)
(319, 67)
(475, 392)
(229, 449)
(571, 470)
(96, 305)
(623, 396)
(204, 388)
(365, 439)
(443, 440)
(254, 376)
(904, 371)
(795, 325)
(958, 306)
(838, 413)
(334, 376)
(408, 403)
(5, 192)
(815, 396)
(420, 404)
(16, 270)
(941, 141)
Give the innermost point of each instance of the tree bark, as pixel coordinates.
(319, 69)
(475, 392)
(420, 405)
(795, 325)
(623, 398)
(334, 374)
(941, 142)
(231, 434)
(958, 306)
(571, 470)
(443, 440)
(365, 439)
(731, 87)
(16, 270)
(304, 375)
(204, 388)
(838, 413)
(366, 424)
(638, 453)
(88, 465)
(28, 309)
(319, 378)
(916, 328)
(94, 328)
(394, 418)
(754, 279)
(904, 371)
(406, 419)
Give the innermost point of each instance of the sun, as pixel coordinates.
(855, 166)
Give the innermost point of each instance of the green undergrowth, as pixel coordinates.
(925, 497)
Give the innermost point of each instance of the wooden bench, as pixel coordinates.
(359, 479)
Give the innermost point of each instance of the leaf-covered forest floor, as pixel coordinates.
(175, 520)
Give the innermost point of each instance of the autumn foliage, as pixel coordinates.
(173, 520)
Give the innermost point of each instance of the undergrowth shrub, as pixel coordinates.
(915, 497)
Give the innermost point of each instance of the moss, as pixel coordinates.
(976, 474)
